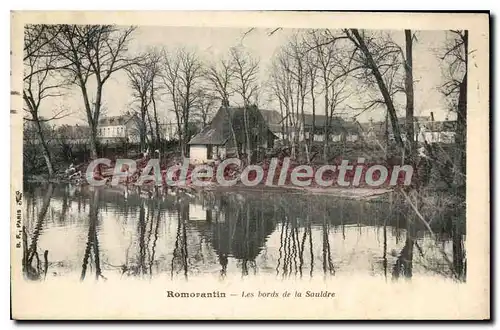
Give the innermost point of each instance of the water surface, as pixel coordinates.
(95, 233)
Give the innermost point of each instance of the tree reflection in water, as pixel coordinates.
(30, 253)
(289, 234)
(155, 234)
(180, 253)
(92, 238)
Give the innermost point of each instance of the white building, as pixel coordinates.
(111, 129)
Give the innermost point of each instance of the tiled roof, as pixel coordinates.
(219, 130)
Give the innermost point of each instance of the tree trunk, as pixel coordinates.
(410, 134)
(45, 148)
(327, 135)
(313, 103)
(150, 122)
(461, 129)
(93, 142)
(157, 123)
(233, 134)
(383, 88)
(186, 132)
(306, 148)
(460, 136)
(95, 119)
(248, 147)
(142, 133)
(92, 126)
(282, 121)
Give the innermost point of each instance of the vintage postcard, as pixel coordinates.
(250, 165)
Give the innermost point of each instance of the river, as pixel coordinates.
(94, 233)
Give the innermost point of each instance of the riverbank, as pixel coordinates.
(355, 193)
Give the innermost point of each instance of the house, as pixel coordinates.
(315, 127)
(124, 127)
(424, 130)
(216, 140)
(309, 125)
(438, 131)
(382, 130)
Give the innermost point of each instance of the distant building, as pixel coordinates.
(423, 127)
(216, 141)
(315, 128)
(438, 131)
(113, 129)
(312, 127)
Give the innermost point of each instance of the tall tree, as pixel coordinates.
(332, 72)
(205, 106)
(182, 78)
(40, 82)
(312, 73)
(292, 61)
(410, 132)
(298, 53)
(140, 80)
(220, 76)
(246, 70)
(154, 61)
(91, 55)
(455, 59)
(283, 87)
(361, 45)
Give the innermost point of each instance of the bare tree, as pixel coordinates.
(455, 59)
(312, 73)
(298, 53)
(91, 54)
(205, 105)
(182, 77)
(408, 64)
(246, 70)
(40, 82)
(332, 72)
(140, 80)
(284, 88)
(220, 75)
(37, 38)
(380, 62)
(154, 61)
(293, 60)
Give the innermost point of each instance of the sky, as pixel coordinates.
(211, 43)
